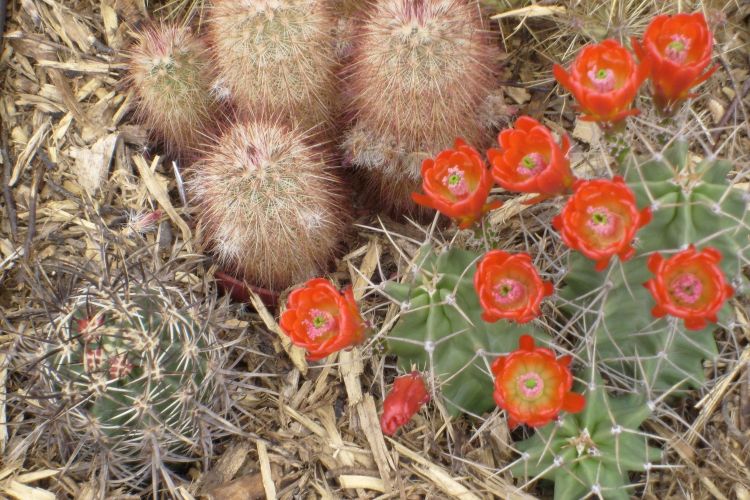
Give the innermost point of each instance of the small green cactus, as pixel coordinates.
(593, 452)
(129, 375)
(171, 78)
(441, 330)
(691, 204)
(276, 58)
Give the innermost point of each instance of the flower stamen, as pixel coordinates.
(508, 291)
(320, 323)
(677, 49)
(455, 182)
(686, 288)
(531, 164)
(602, 79)
(602, 221)
(531, 385)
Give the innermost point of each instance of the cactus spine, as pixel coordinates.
(420, 73)
(269, 205)
(171, 77)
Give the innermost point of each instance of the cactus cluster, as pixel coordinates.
(421, 74)
(130, 376)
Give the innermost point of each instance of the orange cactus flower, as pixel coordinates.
(405, 399)
(457, 184)
(600, 220)
(604, 79)
(688, 285)
(322, 320)
(533, 386)
(530, 161)
(678, 49)
(509, 287)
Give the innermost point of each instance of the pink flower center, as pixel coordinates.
(678, 48)
(602, 221)
(455, 182)
(508, 291)
(686, 288)
(531, 385)
(531, 164)
(603, 79)
(319, 323)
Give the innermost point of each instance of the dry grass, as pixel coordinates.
(73, 163)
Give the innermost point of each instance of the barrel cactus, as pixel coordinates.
(130, 376)
(269, 204)
(170, 74)
(420, 75)
(276, 58)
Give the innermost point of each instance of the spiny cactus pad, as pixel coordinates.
(591, 453)
(441, 330)
(691, 204)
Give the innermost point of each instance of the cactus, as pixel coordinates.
(421, 75)
(269, 205)
(129, 375)
(690, 205)
(276, 57)
(171, 78)
(441, 330)
(593, 452)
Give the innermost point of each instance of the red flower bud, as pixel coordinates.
(119, 366)
(509, 287)
(533, 386)
(322, 320)
(457, 184)
(93, 359)
(87, 328)
(688, 285)
(405, 399)
(600, 220)
(530, 161)
(678, 49)
(604, 79)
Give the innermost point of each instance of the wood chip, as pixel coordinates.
(364, 482)
(265, 470)
(296, 354)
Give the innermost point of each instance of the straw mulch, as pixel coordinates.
(73, 161)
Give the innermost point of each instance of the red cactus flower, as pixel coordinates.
(678, 49)
(530, 161)
(405, 399)
(533, 386)
(509, 287)
(322, 319)
(601, 219)
(688, 285)
(604, 79)
(457, 184)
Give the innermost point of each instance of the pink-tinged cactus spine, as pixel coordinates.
(420, 75)
(169, 72)
(270, 206)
